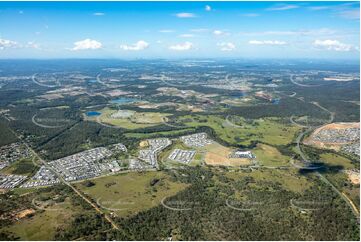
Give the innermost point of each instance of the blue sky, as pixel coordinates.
(179, 30)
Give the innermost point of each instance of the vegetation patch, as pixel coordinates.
(131, 192)
(267, 130)
(129, 119)
(270, 156)
(21, 167)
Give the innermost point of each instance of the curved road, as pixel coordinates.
(171, 208)
(323, 178)
(301, 85)
(43, 125)
(40, 84)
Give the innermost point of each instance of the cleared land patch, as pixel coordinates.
(127, 194)
(43, 225)
(219, 155)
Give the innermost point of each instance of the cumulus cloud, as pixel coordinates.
(226, 46)
(5, 43)
(332, 45)
(208, 8)
(140, 45)
(98, 14)
(185, 15)
(87, 44)
(181, 47)
(283, 7)
(267, 42)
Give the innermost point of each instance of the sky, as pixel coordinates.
(326, 30)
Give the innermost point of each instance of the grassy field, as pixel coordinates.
(43, 225)
(21, 167)
(127, 194)
(24, 191)
(268, 130)
(270, 156)
(289, 179)
(134, 120)
(336, 160)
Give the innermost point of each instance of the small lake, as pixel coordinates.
(276, 101)
(93, 113)
(124, 100)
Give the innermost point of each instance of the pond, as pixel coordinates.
(93, 113)
(276, 101)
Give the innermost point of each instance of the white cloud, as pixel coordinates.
(317, 8)
(220, 32)
(140, 45)
(181, 47)
(208, 8)
(351, 14)
(87, 44)
(332, 45)
(166, 31)
(267, 42)
(186, 35)
(227, 46)
(185, 15)
(283, 7)
(310, 32)
(33, 45)
(98, 14)
(5, 43)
